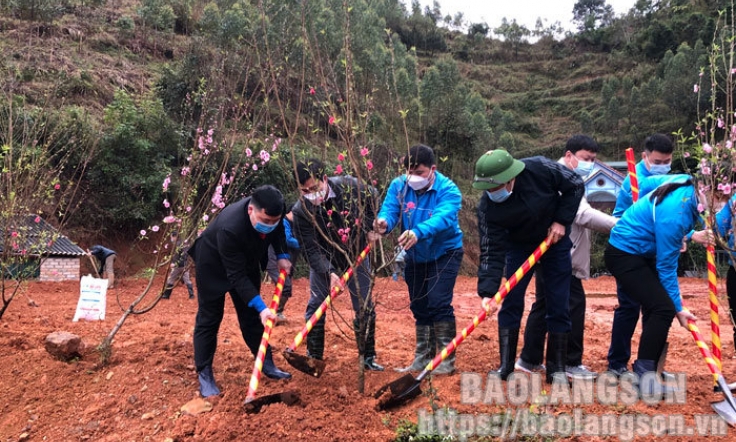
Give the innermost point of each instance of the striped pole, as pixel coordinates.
(712, 365)
(631, 164)
(326, 303)
(255, 376)
(715, 329)
(499, 297)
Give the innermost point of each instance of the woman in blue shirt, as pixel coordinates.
(642, 254)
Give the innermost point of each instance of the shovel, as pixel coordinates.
(305, 364)
(726, 408)
(407, 387)
(253, 405)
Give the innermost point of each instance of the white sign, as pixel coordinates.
(92, 299)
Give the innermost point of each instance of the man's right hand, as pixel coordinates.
(380, 225)
(267, 314)
(335, 281)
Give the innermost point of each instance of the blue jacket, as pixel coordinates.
(624, 199)
(724, 222)
(657, 231)
(432, 215)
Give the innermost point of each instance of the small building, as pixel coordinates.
(49, 255)
(602, 186)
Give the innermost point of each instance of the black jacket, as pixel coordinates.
(544, 192)
(352, 208)
(230, 253)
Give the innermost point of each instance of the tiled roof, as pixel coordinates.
(35, 231)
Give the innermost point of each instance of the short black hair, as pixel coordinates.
(269, 198)
(313, 168)
(659, 143)
(419, 155)
(582, 142)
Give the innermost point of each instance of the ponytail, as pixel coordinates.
(665, 189)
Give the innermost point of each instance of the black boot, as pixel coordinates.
(425, 349)
(507, 340)
(270, 369)
(207, 385)
(369, 351)
(556, 356)
(316, 341)
(167, 293)
(190, 289)
(445, 332)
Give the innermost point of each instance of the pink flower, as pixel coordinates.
(410, 205)
(344, 238)
(37, 219)
(329, 212)
(57, 186)
(265, 156)
(166, 183)
(154, 228)
(338, 169)
(686, 154)
(726, 189)
(375, 182)
(248, 152)
(168, 220)
(185, 171)
(311, 91)
(143, 232)
(340, 157)
(331, 120)
(14, 234)
(167, 204)
(364, 151)
(205, 217)
(255, 167)
(707, 148)
(369, 165)
(705, 170)
(189, 208)
(696, 88)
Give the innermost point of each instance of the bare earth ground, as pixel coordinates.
(138, 396)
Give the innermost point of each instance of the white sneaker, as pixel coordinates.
(580, 372)
(528, 367)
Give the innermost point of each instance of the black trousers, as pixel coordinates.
(731, 291)
(209, 316)
(536, 324)
(638, 277)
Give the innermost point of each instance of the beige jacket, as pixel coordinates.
(586, 218)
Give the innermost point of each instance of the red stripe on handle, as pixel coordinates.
(631, 165)
(707, 356)
(326, 303)
(255, 376)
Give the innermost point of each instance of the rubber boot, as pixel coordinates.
(316, 341)
(190, 289)
(270, 369)
(445, 332)
(425, 349)
(207, 386)
(556, 356)
(508, 338)
(369, 353)
(167, 293)
(649, 381)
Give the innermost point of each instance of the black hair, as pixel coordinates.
(419, 155)
(582, 142)
(662, 191)
(268, 198)
(659, 143)
(313, 168)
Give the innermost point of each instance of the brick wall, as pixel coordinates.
(60, 268)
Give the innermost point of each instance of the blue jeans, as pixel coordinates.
(431, 285)
(556, 270)
(359, 286)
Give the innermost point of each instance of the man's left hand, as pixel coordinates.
(408, 239)
(284, 264)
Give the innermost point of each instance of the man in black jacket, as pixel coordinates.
(331, 221)
(524, 202)
(228, 257)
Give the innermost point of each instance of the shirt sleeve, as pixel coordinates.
(493, 246)
(444, 214)
(391, 207)
(235, 264)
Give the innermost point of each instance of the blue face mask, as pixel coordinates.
(264, 228)
(659, 169)
(584, 168)
(500, 195)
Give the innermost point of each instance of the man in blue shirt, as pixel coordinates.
(424, 205)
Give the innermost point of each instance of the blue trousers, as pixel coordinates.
(431, 286)
(555, 267)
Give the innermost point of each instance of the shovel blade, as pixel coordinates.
(311, 366)
(726, 411)
(398, 392)
(288, 397)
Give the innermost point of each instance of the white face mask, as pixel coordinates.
(417, 182)
(316, 198)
